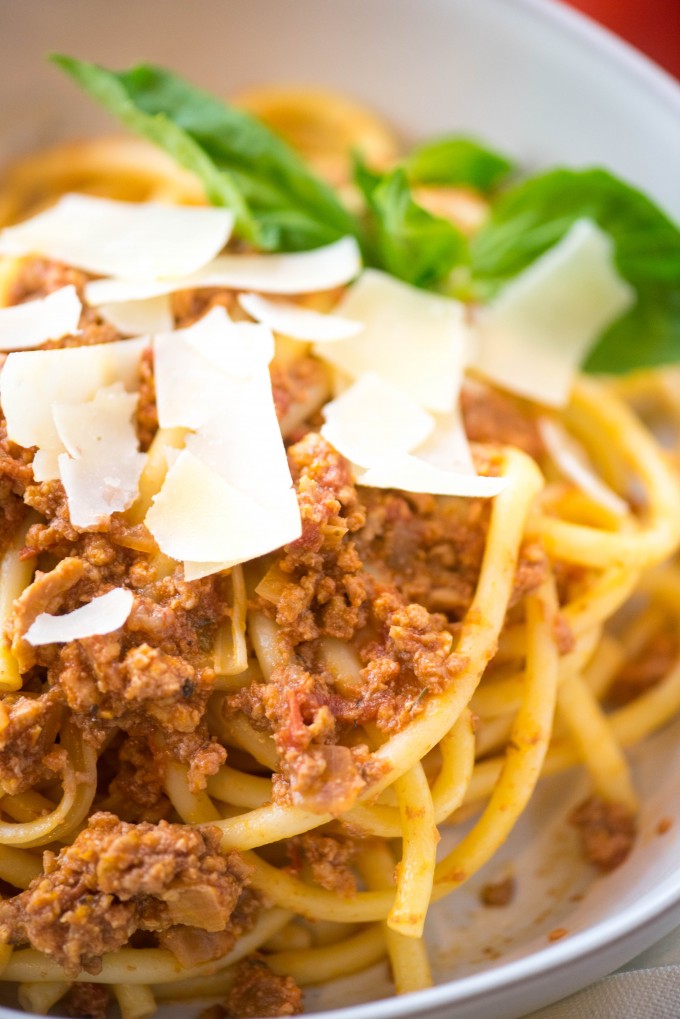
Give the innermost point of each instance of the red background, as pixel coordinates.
(652, 26)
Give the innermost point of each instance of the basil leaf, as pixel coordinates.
(403, 238)
(533, 216)
(278, 203)
(457, 161)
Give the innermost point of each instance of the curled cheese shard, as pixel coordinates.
(141, 241)
(104, 614)
(301, 272)
(199, 517)
(101, 467)
(299, 323)
(373, 421)
(33, 380)
(538, 330)
(411, 474)
(201, 368)
(572, 461)
(447, 445)
(140, 318)
(23, 326)
(417, 341)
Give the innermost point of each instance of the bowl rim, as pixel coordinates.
(658, 909)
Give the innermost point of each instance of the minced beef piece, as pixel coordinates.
(117, 878)
(607, 831)
(298, 387)
(188, 306)
(88, 1000)
(498, 894)
(16, 474)
(328, 856)
(648, 668)
(28, 729)
(147, 411)
(493, 417)
(258, 993)
(326, 592)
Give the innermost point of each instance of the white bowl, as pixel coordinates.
(549, 87)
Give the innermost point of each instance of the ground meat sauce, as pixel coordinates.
(258, 993)
(388, 574)
(118, 878)
(607, 831)
(646, 669)
(88, 1000)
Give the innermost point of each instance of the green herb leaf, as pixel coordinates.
(279, 204)
(403, 238)
(458, 162)
(535, 215)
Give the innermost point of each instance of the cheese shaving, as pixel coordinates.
(199, 517)
(299, 323)
(373, 421)
(539, 328)
(415, 340)
(46, 465)
(33, 380)
(301, 272)
(572, 461)
(198, 370)
(138, 318)
(447, 446)
(104, 614)
(141, 241)
(411, 474)
(101, 469)
(23, 326)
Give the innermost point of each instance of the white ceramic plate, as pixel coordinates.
(548, 87)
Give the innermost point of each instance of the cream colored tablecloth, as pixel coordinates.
(647, 988)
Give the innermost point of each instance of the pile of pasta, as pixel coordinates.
(521, 702)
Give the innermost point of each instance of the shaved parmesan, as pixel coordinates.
(415, 340)
(411, 474)
(33, 380)
(137, 318)
(538, 330)
(198, 516)
(447, 446)
(197, 571)
(104, 614)
(571, 459)
(373, 421)
(142, 241)
(101, 469)
(300, 323)
(200, 369)
(237, 348)
(23, 326)
(241, 440)
(302, 272)
(46, 465)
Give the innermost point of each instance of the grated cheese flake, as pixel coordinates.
(301, 272)
(415, 340)
(411, 474)
(199, 517)
(101, 467)
(137, 240)
(297, 322)
(572, 461)
(23, 326)
(33, 380)
(373, 421)
(104, 614)
(540, 327)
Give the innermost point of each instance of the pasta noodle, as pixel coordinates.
(521, 678)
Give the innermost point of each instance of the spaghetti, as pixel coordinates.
(398, 667)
